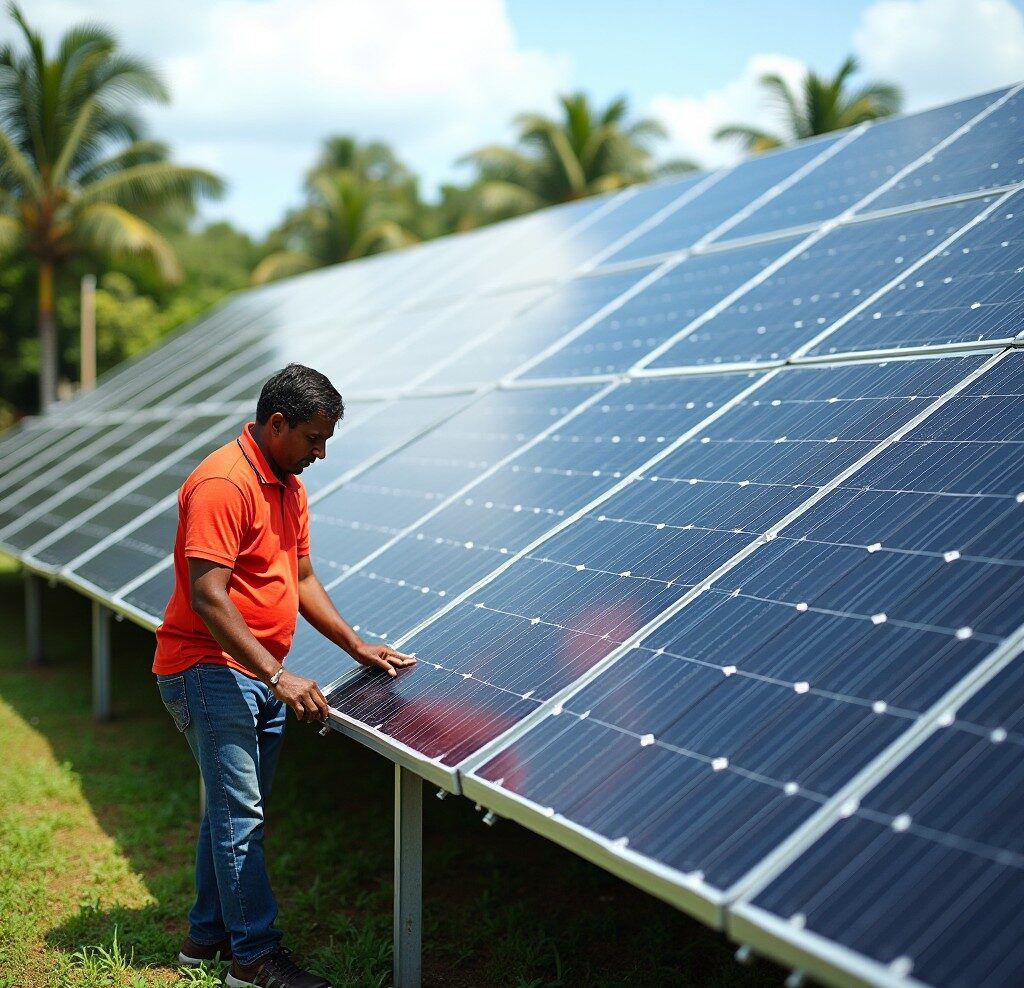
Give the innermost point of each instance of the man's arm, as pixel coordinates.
(319, 610)
(209, 586)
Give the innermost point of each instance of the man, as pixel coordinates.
(241, 576)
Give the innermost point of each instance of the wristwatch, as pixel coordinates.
(277, 675)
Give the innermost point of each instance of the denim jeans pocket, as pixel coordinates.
(172, 692)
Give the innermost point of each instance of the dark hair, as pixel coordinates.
(299, 393)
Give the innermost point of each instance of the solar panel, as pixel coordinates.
(971, 290)
(565, 604)
(921, 874)
(878, 155)
(988, 156)
(699, 503)
(820, 280)
(708, 742)
(715, 209)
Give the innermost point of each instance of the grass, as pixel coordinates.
(97, 823)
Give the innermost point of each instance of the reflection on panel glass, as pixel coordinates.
(816, 287)
(859, 168)
(923, 873)
(567, 603)
(740, 187)
(659, 311)
(986, 157)
(429, 340)
(542, 325)
(973, 290)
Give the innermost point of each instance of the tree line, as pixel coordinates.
(84, 188)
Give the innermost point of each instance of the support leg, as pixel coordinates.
(33, 617)
(202, 797)
(100, 661)
(408, 877)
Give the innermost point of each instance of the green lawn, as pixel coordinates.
(97, 824)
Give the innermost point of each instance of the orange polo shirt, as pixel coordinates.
(233, 510)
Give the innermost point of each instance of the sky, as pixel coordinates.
(257, 84)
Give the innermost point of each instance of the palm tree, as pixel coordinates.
(347, 217)
(822, 105)
(586, 152)
(78, 178)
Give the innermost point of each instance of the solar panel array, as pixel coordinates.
(700, 504)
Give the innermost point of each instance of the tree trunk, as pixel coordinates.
(47, 339)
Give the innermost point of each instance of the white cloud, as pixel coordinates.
(257, 85)
(942, 50)
(691, 121)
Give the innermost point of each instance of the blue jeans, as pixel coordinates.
(234, 726)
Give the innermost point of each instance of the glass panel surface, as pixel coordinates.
(706, 744)
(973, 290)
(986, 157)
(444, 555)
(740, 187)
(667, 305)
(859, 168)
(556, 611)
(816, 287)
(924, 872)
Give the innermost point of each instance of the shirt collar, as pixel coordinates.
(259, 463)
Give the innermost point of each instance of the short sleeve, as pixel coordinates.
(302, 542)
(216, 517)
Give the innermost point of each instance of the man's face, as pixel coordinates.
(294, 449)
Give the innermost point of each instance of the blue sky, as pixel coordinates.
(257, 84)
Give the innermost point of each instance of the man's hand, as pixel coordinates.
(383, 656)
(302, 695)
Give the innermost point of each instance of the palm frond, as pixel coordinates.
(282, 264)
(12, 235)
(108, 229)
(751, 138)
(152, 183)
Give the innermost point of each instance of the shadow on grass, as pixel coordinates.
(501, 905)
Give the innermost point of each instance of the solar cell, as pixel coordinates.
(923, 873)
(150, 598)
(880, 153)
(822, 281)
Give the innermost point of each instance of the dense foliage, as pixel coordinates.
(83, 189)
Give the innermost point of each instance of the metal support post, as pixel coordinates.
(408, 878)
(33, 617)
(202, 797)
(100, 661)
